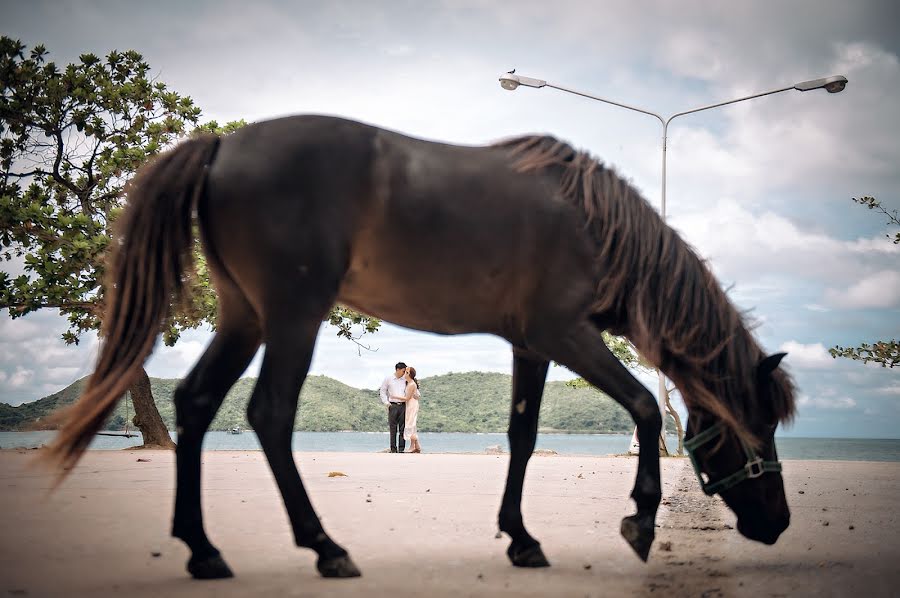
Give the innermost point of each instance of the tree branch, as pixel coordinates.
(19, 306)
(37, 232)
(59, 178)
(89, 168)
(22, 175)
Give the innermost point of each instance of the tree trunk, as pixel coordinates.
(146, 415)
(678, 427)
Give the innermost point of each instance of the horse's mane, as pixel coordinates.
(655, 286)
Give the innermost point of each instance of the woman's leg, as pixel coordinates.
(416, 428)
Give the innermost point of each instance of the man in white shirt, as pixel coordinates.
(395, 386)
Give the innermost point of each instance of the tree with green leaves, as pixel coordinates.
(69, 140)
(886, 352)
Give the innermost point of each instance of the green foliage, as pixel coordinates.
(217, 129)
(886, 353)
(69, 140)
(344, 319)
(469, 402)
(624, 352)
(480, 402)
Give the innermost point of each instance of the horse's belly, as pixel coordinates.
(423, 304)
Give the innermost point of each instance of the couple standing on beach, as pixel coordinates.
(400, 394)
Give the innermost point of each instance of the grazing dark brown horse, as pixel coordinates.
(527, 239)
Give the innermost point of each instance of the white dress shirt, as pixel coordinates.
(392, 386)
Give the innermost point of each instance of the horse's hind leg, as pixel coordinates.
(529, 374)
(197, 399)
(290, 339)
(584, 352)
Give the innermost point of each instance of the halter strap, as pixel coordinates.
(753, 468)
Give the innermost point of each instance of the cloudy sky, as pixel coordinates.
(761, 188)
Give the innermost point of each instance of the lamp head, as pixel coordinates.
(511, 81)
(836, 86)
(833, 84)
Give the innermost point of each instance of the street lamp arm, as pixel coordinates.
(750, 97)
(592, 97)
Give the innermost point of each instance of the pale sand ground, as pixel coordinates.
(429, 529)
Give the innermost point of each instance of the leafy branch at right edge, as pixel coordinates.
(883, 352)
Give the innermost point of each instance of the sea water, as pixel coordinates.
(846, 449)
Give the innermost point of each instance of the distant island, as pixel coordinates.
(455, 402)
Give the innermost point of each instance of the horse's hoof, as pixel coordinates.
(532, 556)
(639, 537)
(212, 567)
(340, 566)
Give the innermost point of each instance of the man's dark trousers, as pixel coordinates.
(397, 423)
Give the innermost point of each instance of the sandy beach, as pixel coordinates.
(425, 525)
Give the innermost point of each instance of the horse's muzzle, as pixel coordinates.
(762, 529)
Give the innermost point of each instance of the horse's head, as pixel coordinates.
(747, 478)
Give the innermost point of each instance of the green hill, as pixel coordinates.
(467, 402)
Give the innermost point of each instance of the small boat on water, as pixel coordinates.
(235, 430)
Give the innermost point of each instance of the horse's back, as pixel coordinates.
(395, 226)
(281, 197)
(273, 158)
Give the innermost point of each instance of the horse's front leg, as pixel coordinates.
(639, 529)
(583, 351)
(529, 374)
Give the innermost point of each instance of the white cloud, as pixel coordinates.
(397, 50)
(60, 376)
(18, 330)
(856, 55)
(687, 52)
(20, 377)
(744, 245)
(812, 356)
(176, 362)
(189, 350)
(878, 290)
(34, 361)
(816, 307)
(841, 403)
(890, 389)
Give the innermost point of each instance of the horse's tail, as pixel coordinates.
(151, 251)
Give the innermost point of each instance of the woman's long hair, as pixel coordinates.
(412, 374)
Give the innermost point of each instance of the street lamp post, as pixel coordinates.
(511, 81)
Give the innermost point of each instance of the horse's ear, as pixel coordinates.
(768, 364)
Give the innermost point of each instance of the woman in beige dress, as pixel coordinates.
(412, 410)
